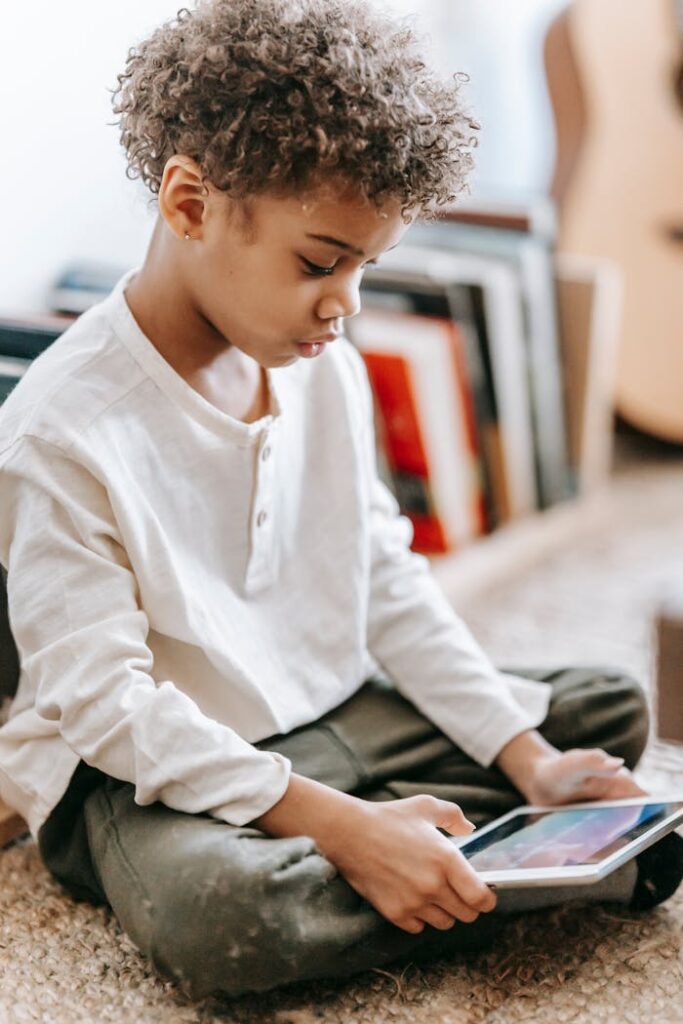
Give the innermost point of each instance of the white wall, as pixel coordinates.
(498, 43)
(65, 196)
(62, 173)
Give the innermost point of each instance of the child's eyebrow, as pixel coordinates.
(342, 245)
(338, 242)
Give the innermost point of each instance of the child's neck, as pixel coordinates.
(221, 373)
(245, 395)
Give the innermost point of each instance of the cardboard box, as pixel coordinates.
(669, 671)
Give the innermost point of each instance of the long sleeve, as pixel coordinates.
(81, 632)
(428, 651)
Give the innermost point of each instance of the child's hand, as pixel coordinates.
(391, 852)
(407, 869)
(576, 775)
(545, 775)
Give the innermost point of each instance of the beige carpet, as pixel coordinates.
(62, 962)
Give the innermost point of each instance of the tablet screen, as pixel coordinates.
(549, 839)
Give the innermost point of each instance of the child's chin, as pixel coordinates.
(271, 362)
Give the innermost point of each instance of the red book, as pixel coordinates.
(404, 447)
(417, 371)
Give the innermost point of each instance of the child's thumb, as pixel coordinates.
(451, 818)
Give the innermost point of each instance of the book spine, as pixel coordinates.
(467, 312)
(27, 338)
(470, 432)
(554, 476)
(11, 372)
(403, 443)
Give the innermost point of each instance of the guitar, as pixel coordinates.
(615, 76)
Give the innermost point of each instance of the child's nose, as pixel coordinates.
(341, 301)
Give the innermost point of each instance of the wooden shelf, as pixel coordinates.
(534, 215)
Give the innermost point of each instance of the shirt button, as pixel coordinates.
(261, 518)
(265, 454)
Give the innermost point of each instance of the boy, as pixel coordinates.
(246, 715)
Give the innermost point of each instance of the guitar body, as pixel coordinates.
(612, 67)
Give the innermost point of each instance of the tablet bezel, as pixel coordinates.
(582, 874)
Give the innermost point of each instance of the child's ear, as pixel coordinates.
(182, 196)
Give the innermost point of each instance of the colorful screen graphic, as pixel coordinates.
(560, 838)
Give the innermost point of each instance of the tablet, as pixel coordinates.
(574, 844)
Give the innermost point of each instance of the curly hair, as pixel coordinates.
(277, 95)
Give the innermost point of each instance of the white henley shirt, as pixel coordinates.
(182, 584)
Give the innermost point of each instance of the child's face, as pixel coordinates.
(287, 278)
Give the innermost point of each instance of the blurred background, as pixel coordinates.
(62, 173)
(581, 109)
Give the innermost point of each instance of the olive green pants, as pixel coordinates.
(222, 909)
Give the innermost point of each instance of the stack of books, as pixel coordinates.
(492, 362)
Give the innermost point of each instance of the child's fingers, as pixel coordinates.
(597, 762)
(598, 756)
(613, 787)
(604, 773)
(596, 785)
(446, 815)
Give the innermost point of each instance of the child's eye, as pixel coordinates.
(316, 271)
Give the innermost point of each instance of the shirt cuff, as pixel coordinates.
(269, 779)
(527, 709)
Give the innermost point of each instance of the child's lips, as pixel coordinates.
(315, 346)
(310, 349)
